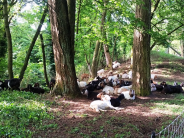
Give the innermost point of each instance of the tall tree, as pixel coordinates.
(62, 17)
(141, 49)
(9, 40)
(23, 69)
(44, 59)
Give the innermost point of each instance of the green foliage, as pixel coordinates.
(19, 112)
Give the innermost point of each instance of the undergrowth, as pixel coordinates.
(21, 113)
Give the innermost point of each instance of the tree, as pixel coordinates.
(44, 59)
(62, 17)
(141, 49)
(32, 44)
(9, 40)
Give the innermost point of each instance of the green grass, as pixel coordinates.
(20, 112)
(170, 106)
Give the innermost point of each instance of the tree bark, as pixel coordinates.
(95, 60)
(9, 39)
(44, 60)
(141, 50)
(62, 17)
(32, 44)
(103, 32)
(182, 48)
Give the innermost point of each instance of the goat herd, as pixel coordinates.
(14, 84)
(101, 88)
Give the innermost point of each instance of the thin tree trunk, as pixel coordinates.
(62, 17)
(9, 39)
(32, 44)
(95, 60)
(44, 60)
(141, 50)
(103, 32)
(182, 48)
(114, 48)
(78, 16)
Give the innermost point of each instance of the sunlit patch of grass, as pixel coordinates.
(19, 111)
(170, 106)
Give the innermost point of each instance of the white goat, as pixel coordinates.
(153, 87)
(129, 95)
(100, 72)
(81, 84)
(103, 105)
(108, 90)
(115, 78)
(125, 76)
(116, 65)
(130, 74)
(121, 89)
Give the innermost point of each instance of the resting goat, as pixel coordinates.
(13, 84)
(169, 89)
(114, 101)
(129, 95)
(103, 105)
(35, 89)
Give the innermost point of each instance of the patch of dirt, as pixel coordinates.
(75, 119)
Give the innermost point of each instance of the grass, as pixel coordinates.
(20, 112)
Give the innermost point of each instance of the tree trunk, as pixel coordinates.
(9, 39)
(182, 48)
(103, 32)
(114, 47)
(141, 50)
(44, 60)
(62, 17)
(32, 44)
(107, 56)
(95, 60)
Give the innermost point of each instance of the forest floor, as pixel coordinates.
(138, 118)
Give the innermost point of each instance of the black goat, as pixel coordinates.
(117, 101)
(35, 89)
(90, 94)
(168, 89)
(52, 83)
(12, 84)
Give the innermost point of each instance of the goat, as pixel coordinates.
(130, 74)
(100, 72)
(120, 90)
(169, 89)
(81, 84)
(13, 84)
(35, 89)
(117, 64)
(84, 76)
(153, 87)
(52, 83)
(153, 76)
(159, 87)
(115, 78)
(129, 95)
(108, 90)
(103, 105)
(90, 94)
(114, 101)
(36, 84)
(125, 75)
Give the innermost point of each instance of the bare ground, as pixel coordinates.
(75, 119)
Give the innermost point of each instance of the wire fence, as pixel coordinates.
(173, 130)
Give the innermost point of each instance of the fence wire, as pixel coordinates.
(173, 130)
